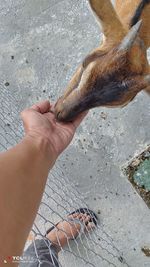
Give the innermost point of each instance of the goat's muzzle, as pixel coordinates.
(66, 110)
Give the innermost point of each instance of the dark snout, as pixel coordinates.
(67, 109)
(114, 94)
(67, 112)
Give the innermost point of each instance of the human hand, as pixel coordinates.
(39, 121)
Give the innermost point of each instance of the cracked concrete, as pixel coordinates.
(41, 44)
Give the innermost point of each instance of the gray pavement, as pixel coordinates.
(41, 44)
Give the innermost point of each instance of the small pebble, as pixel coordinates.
(121, 259)
(146, 251)
(103, 115)
(7, 84)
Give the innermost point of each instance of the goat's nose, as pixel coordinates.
(66, 109)
(63, 114)
(58, 110)
(58, 116)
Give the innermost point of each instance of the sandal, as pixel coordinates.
(93, 219)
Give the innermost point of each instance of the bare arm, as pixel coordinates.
(23, 174)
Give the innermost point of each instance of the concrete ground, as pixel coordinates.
(41, 44)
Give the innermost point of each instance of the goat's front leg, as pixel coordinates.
(111, 25)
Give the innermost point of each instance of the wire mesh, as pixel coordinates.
(60, 198)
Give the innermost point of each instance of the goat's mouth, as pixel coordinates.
(65, 112)
(62, 117)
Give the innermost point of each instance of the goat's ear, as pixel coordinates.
(130, 38)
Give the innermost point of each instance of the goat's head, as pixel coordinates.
(107, 77)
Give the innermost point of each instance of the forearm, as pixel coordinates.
(23, 174)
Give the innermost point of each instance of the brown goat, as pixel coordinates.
(113, 74)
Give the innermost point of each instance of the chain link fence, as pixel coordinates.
(61, 197)
(35, 35)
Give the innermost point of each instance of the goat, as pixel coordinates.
(114, 73)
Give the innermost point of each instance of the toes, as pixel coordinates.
(90, 226)
(75, 216)
(80, 216)
(85, 219)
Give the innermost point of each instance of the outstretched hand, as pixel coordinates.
(39, 121)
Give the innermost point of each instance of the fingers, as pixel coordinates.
(79, 119)
(42, 107)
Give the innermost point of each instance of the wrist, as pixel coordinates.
(42, 147)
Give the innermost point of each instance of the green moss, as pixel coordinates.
(142, 175)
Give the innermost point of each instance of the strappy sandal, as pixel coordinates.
(88, 212)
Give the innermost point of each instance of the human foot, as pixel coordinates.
(67, 230)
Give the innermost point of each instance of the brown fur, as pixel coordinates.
(109, 77)
(126, 10)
